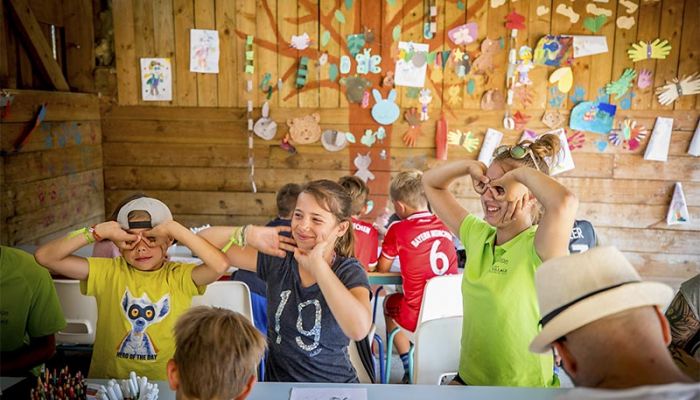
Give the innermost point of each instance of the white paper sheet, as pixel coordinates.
(204, 51)
(406, 73)
(657, 149)
(678, 209)
(341, 393)
(492, 139)
(589, 45)
(156, 79)
(564, 161)
(694, 148)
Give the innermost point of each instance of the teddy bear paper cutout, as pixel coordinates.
(304, 130)
(385, 111)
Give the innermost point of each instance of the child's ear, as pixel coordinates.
(342, 228)
(247, 388)
(173, 377)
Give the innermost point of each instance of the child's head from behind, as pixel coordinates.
(323, 208)
(216, 355)
(139, 217)
(506, 158)
(358, 191)
(407, 193)
(287, 199)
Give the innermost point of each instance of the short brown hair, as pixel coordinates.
(217, 351)
(336, 200)
(358, 191)
(287, 199)
(407, 187)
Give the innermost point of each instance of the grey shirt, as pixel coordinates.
(306, 344)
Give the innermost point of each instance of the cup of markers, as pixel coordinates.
(134, 388)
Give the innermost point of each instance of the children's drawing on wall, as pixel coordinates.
(410, 72)
(552, 50)
(156, 79)
(204, 51)
(593, 117)
(678, 210)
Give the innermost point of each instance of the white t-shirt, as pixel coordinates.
(675, 391)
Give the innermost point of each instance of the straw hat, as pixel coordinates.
(576, 290)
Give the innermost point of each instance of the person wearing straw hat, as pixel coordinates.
(608, 327)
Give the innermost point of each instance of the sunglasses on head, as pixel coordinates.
(517, 152)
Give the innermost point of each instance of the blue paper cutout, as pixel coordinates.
(593, 117)
(385, 111)
(332, 72)
(579, 95)
(626, 102)
(345, 64)
(555, 97)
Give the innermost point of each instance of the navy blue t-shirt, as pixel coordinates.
(306, 344)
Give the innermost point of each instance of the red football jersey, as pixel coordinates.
(366, 243)
(424, 246)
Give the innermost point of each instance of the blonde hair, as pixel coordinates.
(546, 146)
(336, 200)
(358, 191)
(217, 352)
(407, 188)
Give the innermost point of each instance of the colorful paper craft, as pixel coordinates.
(552, 50)
(464, 34)
(492, 139)
(204, 52)
(467, 140)
(385, 111)
(576, 140)
(568, 11)
(345, 64)
(628, 134)
(483, 64)
(645, 51)
(424, 99)
(362, 163)
(515, 21)
(645, 79)
(156, 79)
(591, 8)
(366, 62)
(594, 24)
(414, 122)
(678, 209)
(593, 117)
(406, 72)
(671, 91)
(563, 78)
(355, 43)
(304, 130)
(622, 85)
(589, 45)
(542, 10)
(302, 72)
(453, 97)
(657, 149)
(625, 22)
(355, 88)
(492, 100)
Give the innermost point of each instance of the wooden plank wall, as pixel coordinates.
(55, 182)
(192, 154)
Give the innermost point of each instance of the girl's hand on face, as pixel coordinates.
(315, 258)
(477, 171)
(269, 240)
(508, 188)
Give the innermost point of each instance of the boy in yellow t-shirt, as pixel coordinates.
(140, 294)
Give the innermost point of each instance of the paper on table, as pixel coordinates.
(341, 393)
(589, 45)
(657, 149)
(407, 73)
(694, 149)
(491, 140)
(678, 210)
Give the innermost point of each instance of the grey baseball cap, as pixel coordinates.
(157, 210)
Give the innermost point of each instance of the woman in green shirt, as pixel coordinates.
(527, 219)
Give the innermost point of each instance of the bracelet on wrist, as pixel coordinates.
(237, 238)
(93, 232)
(82, 231)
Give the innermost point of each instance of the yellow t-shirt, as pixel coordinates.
(136, 311)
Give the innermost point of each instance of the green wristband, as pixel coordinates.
(82, 231)
(237, 238)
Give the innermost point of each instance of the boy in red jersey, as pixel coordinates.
(424, 246)
(366, 236)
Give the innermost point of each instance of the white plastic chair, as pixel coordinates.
(442, 298)
(437, 350)
(80, 312)
(232, 295)
(362, 374)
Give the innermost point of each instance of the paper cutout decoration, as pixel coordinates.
(542, 10)
(483, 64)
(591, 8)
(492, 139)
(576, 140)
(369, 34)
(355, 88)
(302, 72)
(563, 78)
(406, 73)
(657, 149)
(430, 26)
(345, 64)
(625, 22)
(551, 50)
(670, 92)
(323, 59)
(628, 134)
(325, 38)
(365, 100)
(515, 21)
(594, 24)
(497, 3)
(388, 79)
(304, 130)
(694, 148)
(300, 42)
(265, 127)
(362, 163)
(593, 117)
(644, 51)
(568, 11)
(465, 140)
(524, 66)
(579, 95)
(414, 121)
(339, 16)
(678, 209)
(204, 51)
(644, 79)
(355, 43)
(520, 120)
(492, 100)
(385, 111)
(564, 161)
(589, 45)
(333, 72)
(464, 34)
(156, 79)
(622, 85)
(424, 99)
(528, 135)
(441, 138)
(366, 62)
(370, 137)
(630, 5)
(553, 119)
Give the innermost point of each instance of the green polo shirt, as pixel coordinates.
(500, 310)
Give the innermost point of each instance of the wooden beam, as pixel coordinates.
(80, 51)
(36, 44)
